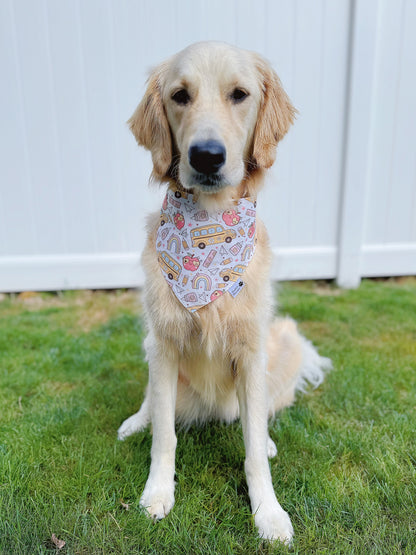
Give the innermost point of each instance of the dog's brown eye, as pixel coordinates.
(238, 95)
(181, 97)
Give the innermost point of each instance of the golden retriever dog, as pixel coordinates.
(212, 117)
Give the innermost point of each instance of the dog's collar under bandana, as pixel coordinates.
(204, 254)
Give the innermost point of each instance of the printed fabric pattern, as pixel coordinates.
(203, 255)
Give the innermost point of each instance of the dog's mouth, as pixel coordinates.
(209, 183)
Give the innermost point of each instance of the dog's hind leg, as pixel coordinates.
(271, 448)
(137, 422)
(293, 363)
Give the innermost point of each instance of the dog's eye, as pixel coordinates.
(181, 97)
(238, 95)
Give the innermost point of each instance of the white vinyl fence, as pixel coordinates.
(340, 201)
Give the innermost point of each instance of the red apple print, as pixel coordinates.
(230, 217)
(191, 263)
(179, 220)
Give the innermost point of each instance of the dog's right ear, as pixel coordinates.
(150, 126)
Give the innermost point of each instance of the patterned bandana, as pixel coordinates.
(202, 255)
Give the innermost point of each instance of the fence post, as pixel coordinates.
(358, 130)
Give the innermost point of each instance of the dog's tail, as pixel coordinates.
(293, 365)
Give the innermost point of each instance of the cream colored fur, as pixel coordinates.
(230, 359)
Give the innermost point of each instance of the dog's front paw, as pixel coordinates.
(273, 523)
(158, 501)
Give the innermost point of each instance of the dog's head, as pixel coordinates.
(210, 114)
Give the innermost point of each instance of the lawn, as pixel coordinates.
(71, 369)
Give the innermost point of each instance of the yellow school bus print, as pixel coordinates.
(169, 265)
(233, 274)
(164, 218)
(211, 235)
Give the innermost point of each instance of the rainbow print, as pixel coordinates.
(175, 242)
(204, 279)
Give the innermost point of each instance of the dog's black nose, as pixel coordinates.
(207, 156)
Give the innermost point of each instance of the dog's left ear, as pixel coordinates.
(150, 126)
(276, 115)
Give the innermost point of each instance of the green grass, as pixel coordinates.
(71, 369)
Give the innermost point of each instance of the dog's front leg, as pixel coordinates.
(271, 520)
(158, 495)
